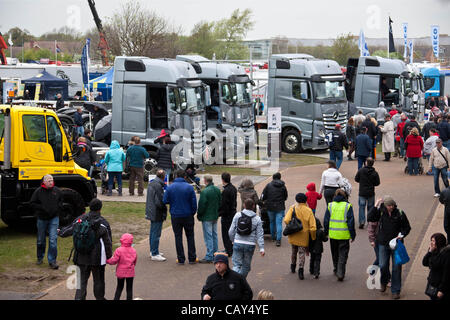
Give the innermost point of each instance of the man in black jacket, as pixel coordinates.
(339, 142)
(274, 195)
(368, 179)
(94, 261)
(392, 224)
(444, 198)
(412, 123)
(156, 212)
(59, 102)
(371, 132)
(227, 210)
(225, 284)
(46, 203)
(444, 131)
(164, 156)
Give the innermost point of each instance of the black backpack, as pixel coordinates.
(84, 236)
(244, 225)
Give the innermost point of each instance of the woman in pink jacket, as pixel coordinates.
(125, 257)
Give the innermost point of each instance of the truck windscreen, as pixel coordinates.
(241, 93)
(329, 91)
(192, 99)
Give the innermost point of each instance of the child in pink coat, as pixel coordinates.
(125, 257)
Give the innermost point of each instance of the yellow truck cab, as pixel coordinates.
(32, 144)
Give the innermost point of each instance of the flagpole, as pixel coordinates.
(389, 30)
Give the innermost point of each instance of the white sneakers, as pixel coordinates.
(158, 257)
(436, 195)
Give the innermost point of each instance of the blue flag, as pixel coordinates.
(362, 44)
(85, 63)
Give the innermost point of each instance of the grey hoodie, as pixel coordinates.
(257, 235)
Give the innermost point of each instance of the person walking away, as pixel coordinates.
(136, 154)
(351, 137)
(338, 143)
(439, 159)
(437, 260)
(393, 224)
(93, 260)
(274, 196)
(387, 131)
(380, 116)
(208, 214)
(393, 111)
(359, 119)
(59, 102)
(363, 147)
(125, 257)
(371, 132)
(399, 132)
(300, 240)
(156, 212)
(444, 131)
(368, 179)
(227, 210)
(331, 181)
(430, 143)
(444, 198)
(78, 119)
(180, 195)
(339, 226)
(247, 191)
(46, 203)
(245, 232)
(114, 159)
(316, 250)
(85, 156)
(312, 196)
(164, 156)
(431, 124)
(414, 147)
(225, 283)
(412, 123)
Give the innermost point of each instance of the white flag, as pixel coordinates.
(10, 40)
(435, 40)
(405, 39)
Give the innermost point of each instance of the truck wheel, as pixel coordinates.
(88, 125)
(292, 141)
(73, 206)
(150, 165)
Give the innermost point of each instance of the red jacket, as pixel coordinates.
(125, 257)
(400, 127)
(312, 196)
(414, 147)
(393, 112)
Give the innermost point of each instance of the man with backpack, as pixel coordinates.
(246, 230)
(337, 144)
(92, 247)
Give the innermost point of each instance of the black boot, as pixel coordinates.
(300, 274)
(293, 268)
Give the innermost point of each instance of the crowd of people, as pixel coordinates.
(243, 230)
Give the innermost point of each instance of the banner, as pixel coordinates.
(391, 37)
(274, 120)
(435, 40)
(405, 39)
(37, 91)
(362, 44)
(85, 63)
(411, 51)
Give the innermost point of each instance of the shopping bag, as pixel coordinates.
(400, 254)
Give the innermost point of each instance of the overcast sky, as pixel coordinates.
(291, 18)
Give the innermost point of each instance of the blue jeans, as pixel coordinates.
(361, 161)
(385, 254)
(276, 224)
(167, 178)
(154, 236)
(413, 166)
(50, 226)
(118, 176)
(242, 258)
(377, 255)
(219, 113)
(210, 237)
(363, 201)
(336, 156)
(402, 147)
(443, 173)
(80, 131)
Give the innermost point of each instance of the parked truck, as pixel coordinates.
(311, 95)
(370, 80)
(155, 94)
(33, 144)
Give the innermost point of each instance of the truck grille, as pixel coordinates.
(330, 120)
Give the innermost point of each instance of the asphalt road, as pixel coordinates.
(167, 280)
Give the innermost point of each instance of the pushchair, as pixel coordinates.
(104, 176)
(421, 169)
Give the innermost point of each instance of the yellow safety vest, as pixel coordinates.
(338, 228)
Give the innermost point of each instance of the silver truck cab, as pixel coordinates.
(311, 95)
(155, 94)
(412, 92)
(370, 80)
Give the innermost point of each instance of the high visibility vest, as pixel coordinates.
(338, 228)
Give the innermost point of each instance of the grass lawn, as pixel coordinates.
(18, 271)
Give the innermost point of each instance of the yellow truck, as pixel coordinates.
(33, 143)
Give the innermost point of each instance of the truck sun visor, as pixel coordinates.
(239, 78)
(183, 82)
